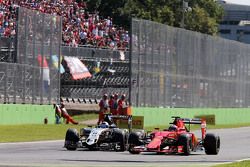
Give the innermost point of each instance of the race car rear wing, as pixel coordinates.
(120, 117)
(124, 117)
(190, 121)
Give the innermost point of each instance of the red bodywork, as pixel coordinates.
(157, 137)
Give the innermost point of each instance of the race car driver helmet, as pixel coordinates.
(172, 128)
(104, 125)
(113, 125)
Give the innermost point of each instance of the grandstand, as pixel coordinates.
(93, 39)
(80, 27)
(7, 49)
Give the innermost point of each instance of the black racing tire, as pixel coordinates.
(120, 138)
(212, 144)
(71, 139)
(185, 141)
(134, 138)
(131, 150)
(160, 153)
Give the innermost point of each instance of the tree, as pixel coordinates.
(199, 20)
(109, 8)
(202, 15)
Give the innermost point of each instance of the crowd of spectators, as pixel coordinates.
(80, 28)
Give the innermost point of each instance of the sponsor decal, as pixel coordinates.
(210, 119)
(137, 122)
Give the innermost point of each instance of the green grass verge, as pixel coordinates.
(85, 117)
(236, 164)
(21, 133)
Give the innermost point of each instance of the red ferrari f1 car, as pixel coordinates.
(177, 139)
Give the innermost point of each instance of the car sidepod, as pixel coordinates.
(94, 135)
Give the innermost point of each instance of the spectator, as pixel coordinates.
(1, 30)
(88, 29)
(104, 105)
(113, 108)
(122, 105)
(116, 101)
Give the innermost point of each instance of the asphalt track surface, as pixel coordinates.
(235, 146)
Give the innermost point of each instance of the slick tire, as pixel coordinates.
(131, 150)
(185, 141)
(121, 139)
(212, 144)
(71, 139)
(134, 138)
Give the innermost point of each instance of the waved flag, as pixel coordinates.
(44, 65)
(55, 63)
(77, 69)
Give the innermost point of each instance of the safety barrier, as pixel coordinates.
(14, 114)
(162, 116)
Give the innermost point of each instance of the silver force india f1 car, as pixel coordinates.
(106, 136)
(177, 139)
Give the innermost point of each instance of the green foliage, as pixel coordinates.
(109, 8)
(201, 22)
(202, 15)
